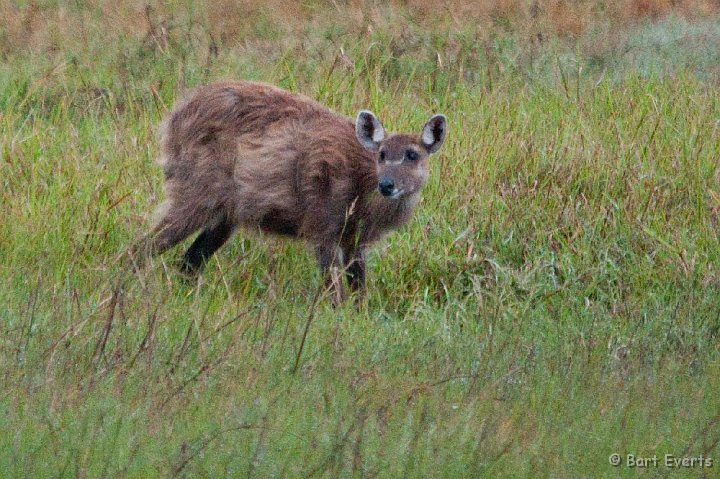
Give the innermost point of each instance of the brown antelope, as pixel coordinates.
(249, 154)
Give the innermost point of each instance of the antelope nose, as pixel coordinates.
(386, 186)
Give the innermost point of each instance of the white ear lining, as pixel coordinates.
(378, 133)
(437, 122)
(427, 136)
(365, 120)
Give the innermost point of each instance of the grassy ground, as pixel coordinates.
(555, 299)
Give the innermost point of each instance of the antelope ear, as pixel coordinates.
(434, 133)
(369, 131)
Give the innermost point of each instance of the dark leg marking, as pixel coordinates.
(355, 271)
(209, 241)
(171, 230)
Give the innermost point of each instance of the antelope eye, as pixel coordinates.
(382, 155)
(411, 155)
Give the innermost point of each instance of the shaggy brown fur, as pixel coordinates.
(249, 154)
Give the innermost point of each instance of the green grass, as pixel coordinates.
(555, 299)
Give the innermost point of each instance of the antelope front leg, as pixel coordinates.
(330, 259)
(355, 271)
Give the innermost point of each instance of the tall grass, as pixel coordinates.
(554, 300)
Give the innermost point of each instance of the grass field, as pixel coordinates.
(555, 299)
